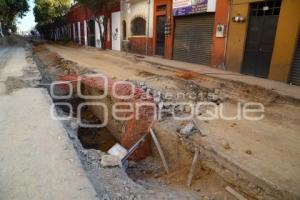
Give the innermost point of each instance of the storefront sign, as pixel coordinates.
(187, 7)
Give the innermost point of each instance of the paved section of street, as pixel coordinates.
(37, 160)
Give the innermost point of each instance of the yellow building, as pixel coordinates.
(263, 39)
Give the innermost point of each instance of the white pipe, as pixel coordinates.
(148, 26)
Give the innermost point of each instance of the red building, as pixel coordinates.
(195, 32)
(84, 29)
(197, 36)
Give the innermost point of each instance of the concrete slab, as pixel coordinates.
(36, 157)
(37, 160)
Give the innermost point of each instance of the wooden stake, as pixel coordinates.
(235, 193)
(161, 153)
(193, 166)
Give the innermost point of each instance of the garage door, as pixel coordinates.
(295, 72)
(193, 38)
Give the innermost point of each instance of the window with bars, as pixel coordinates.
(265, 8)
(138, 26)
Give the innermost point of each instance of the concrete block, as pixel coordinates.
(110, 161)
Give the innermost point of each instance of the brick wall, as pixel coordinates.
(126, 132)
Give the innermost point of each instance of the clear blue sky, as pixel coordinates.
(27, 23)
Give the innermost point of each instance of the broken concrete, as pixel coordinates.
(188, 130)
(111, 161)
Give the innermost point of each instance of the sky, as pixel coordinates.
(27, 23)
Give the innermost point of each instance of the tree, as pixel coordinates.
(97, 7)
(47, 11)
(10, 10)
(50, 14)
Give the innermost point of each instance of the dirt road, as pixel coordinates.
(37, 160)
(266, 150)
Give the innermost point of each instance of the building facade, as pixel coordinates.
(137, 25)
(193, 31)
(254, 37)
(263, 39)
(84, 29)
(187, 30)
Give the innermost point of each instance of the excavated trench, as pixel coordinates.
(148, 172)
(90, 138)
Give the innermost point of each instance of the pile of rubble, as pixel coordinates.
(180, 104)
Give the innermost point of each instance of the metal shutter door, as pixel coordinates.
(193, 38)
(295, 72)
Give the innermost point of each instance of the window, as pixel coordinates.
(124, 30)
(161, 8)
(265, 8)
(138, 26)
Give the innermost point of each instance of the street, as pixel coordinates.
(40, 160)
(149, 99)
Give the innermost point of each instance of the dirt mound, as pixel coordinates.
(187, 75)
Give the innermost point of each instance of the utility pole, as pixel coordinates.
(148, 26)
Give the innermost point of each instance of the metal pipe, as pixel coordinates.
(134, 147)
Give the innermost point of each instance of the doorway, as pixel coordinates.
(193, 38)
(160, 35)
(91, 33)
(260, 37)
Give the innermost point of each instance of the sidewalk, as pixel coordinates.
(37, 159)
(279, 87)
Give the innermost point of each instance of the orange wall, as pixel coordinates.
(236, 38)
(285, 41)
(138, 45)
(219, 44)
